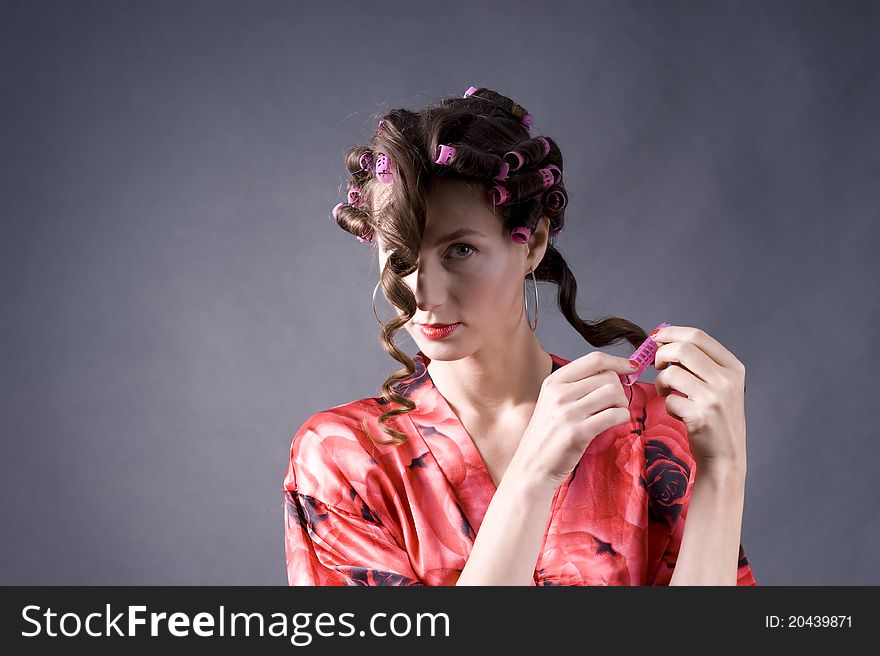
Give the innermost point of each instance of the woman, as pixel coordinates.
(507, 464)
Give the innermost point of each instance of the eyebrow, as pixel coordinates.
(461, 232)
(455, 234)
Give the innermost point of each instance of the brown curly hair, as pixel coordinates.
(483, 127)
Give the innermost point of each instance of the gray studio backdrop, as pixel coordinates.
(176, 300)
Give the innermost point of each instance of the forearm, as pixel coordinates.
(709, 552)
(506, 548)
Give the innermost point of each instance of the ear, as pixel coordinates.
(538, 243)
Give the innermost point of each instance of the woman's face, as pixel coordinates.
(473, 279)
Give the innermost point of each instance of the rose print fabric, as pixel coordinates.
(364, 514)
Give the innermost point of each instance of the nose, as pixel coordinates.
(428, 284)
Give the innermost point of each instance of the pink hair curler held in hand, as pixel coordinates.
(642, 358)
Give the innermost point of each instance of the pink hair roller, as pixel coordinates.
(505, 170)
(552, 175)
(383, 169)
(526, 120)
(519, 160)
(500, 195)
(642, 358)
(445, 154)
(546, 143)
(336, 209)
(521, 235)
(555, 200)
(547, 174)
(366, 161)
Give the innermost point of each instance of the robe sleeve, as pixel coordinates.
(670, 473)
(332, 538)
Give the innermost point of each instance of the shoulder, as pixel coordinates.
(330, 449)
(338, 429)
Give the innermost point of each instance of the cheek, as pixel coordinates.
(488, 289)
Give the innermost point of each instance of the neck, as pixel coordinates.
(504, 375)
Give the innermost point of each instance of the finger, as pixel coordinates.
(690, 358)
(676, 379)
(591, 364)
(678, 407)
(601, 397)
(705, 342)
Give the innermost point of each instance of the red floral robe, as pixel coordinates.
(365, 514)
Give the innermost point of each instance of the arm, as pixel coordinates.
(331, 536)
(702, 384)
(505, 551)
(710, 545)
(327, 546)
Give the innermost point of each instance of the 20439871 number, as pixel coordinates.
(808, 621)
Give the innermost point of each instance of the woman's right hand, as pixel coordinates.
(577, 402)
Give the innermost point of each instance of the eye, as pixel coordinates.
(467, 246)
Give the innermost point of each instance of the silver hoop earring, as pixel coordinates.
(535, 280)
(375, 289)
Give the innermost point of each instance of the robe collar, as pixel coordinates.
(452, 446)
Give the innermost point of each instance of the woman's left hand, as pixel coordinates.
(704, 386)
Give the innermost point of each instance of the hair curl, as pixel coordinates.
(486, 128)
